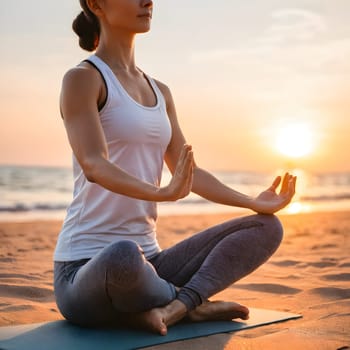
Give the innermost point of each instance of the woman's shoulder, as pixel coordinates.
(83, 76)
(81, 84)
(165, 90)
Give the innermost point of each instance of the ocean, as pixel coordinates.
(43, 193)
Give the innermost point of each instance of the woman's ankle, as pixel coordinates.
(174, 312)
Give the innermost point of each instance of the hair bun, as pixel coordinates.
(88, 31)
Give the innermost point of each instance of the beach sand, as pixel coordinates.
(309, 275)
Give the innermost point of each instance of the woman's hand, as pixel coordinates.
(269, 202)
(181, 183)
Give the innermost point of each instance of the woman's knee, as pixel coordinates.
(132, 283)
(123, 260)
(273, 228)
(121, 249)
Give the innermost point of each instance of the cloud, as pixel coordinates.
(288, 27)
(294, 25)
(297, 58)
(296, 44)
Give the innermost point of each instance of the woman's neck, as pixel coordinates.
(118, 51)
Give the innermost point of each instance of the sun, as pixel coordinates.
(294, 140)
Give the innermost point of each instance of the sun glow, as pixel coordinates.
(295, 140)
(297, 208)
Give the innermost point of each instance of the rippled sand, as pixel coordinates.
(309, 274)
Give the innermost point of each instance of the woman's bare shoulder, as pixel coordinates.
(164, 89)
(81, 76)
(80, 92)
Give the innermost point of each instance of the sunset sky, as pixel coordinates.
(241, 72)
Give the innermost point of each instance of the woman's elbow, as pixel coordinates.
(91, 167)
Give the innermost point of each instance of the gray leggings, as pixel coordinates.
(97, 291)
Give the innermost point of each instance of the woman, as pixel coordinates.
(122, 125)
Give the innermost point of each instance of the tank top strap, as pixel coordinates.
(102, 68)
(113, 84)
(157, 91)
(104, 71)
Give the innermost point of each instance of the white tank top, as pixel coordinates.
(137, 137)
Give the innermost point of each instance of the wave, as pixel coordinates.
(190, 201)
(46, 191)
(20, 208)
(325, 197)
(306, 198)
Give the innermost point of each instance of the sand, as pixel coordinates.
(309, 274)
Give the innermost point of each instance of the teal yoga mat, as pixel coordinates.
(60, 335)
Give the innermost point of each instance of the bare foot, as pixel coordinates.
(152, 320)
(157, 319)
(218, 311)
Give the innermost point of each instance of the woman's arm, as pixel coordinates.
(82, 89)
(209, 187)
(267, 202)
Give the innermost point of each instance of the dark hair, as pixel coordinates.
(87, 27)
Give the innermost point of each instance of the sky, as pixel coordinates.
(241, 73)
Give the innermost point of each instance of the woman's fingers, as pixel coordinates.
(285, 183)
(291, 185)
(183, 177)
(188, 171)
(290, 191)
(275, 183)
(184, 159)
(180, 162)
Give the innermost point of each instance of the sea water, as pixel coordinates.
(33, 192)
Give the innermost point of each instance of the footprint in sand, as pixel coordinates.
(337, 277)
(324, 246)
(322, 264)
(14, 308)
(269, 288)
(285, 263)
(25, 292)
(18, 275)
(333, 293)
(5, 260)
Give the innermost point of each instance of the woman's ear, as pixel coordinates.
(94, 6)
